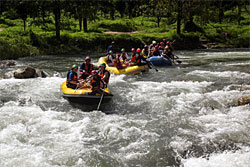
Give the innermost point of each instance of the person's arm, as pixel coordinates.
(82, 68)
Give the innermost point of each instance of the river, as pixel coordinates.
(185, 115)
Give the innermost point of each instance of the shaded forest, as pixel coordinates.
(73, 26)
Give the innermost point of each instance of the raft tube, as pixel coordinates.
(81, 96)
(131, 70)
(159, 61)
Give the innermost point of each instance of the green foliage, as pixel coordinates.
(39, 37)
(120, 25)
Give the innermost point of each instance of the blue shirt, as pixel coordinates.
(110, 47)
(71, 76)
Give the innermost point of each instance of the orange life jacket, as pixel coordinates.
(75, 78)
(101, 74)
(96, 84)
(133, 59)
(108, 60)
(137, 58)
(87, 68)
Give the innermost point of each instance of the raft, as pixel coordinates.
(127, 71)
(159, 61)
(81, 96)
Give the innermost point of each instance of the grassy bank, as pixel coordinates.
(38, 39)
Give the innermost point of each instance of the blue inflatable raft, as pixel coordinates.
(160, 61)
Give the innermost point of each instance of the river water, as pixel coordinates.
(185, 115)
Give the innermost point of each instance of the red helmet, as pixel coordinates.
(168, 42)
(93, 72)
(133, 49)
(138, 50)
(156, 46)
(161, 43)
(87, 58)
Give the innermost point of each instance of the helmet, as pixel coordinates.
(113, 42)
(166, 47)
(161, 43)
(93, 72)
(138, 50)
(87, 58)
(153, 42)
(133, 49)
(122, 50)
(168, 42)
(156, 46)
(146, 46)
(103, 64)
(110, 51)
(74, 66)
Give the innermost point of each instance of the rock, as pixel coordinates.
(243, 100)
(41, 73)
(7, 63)
(27, 72)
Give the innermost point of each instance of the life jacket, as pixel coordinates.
(145, 52)
(156, 52)
(109, 58)
(138, 58)
(95, 82)
(124, 56)
(75, 78)
(88, 68)
(133, 59)
(101, 74)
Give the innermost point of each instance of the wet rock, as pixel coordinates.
(243, 100)
(27, 72)
(41, 73)
(7, 64)
(3, 76)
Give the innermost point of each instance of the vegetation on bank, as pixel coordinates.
(39, 36)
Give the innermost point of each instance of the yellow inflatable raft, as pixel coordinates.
(127, 71)
(82, 95)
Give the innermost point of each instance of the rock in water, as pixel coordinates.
(244, 100)
(41, 73)
(27, 72)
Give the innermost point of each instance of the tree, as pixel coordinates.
(23, 9)
(83, 11)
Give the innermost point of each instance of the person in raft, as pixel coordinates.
(139, 58)
(110, 47)
(96, 84)
(132, 61)
(110, 58)
(72, 79)
(86, 68)
(104, 74)
(124, 59)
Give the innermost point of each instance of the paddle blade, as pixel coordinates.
(178, 61)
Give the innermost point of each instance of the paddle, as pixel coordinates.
(77, 87)
(100, 101)
(153, 66)
(178, 61)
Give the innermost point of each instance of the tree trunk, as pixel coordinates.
(158, 21)
(85, 28)
(221, 13)
(57, 13)
(239, 13)
(179, 11)
(24, 24)
(80, 23)
(43, 13)
(112, 14)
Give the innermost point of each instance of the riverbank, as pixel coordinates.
(127, 33)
